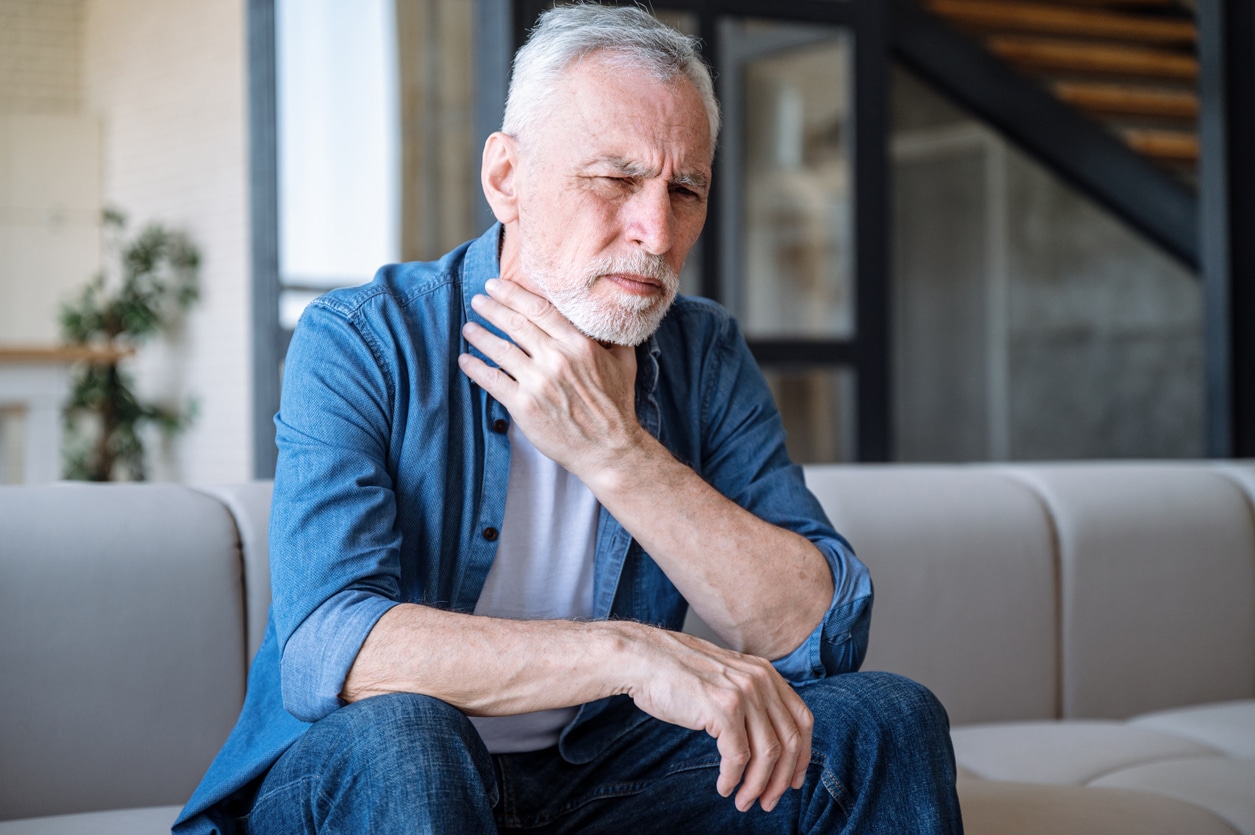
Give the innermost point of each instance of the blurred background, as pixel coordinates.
(943, 240)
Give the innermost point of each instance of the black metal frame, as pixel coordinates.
(1227, 221)
(264, 205)
(868, 352)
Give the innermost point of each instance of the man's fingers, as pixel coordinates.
(503, 352)
(791, 740)
(805, 722)
(513, 323)
(776, 743)
(538, 310)
(492, 380)
(765, 752)
(734, 753)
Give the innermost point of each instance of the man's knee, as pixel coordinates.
(883, 703)
(399, 737)
(387, 763)
(398, 713)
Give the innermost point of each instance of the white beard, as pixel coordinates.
(619, 318)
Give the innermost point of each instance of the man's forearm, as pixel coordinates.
(486, 666)
(762, 588)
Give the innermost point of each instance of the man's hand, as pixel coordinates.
(762, 727)
(573, 398)
(504, 667)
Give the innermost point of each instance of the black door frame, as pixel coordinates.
(867, 353)
(1224, 242)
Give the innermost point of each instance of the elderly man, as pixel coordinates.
(503, 478)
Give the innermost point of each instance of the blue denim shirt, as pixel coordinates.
(391, 486)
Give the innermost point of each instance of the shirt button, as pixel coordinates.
(500, 425)
(490, 534)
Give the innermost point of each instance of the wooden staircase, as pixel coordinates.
(1130, 64)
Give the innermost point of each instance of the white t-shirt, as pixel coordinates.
(543, 570)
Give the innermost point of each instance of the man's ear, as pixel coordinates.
(499, 176)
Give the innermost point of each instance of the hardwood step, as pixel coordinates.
(1126, 100)
(1043, 19)
(1072, 57)
(1120, 4)
(1165, 146)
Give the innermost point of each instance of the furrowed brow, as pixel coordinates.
(622, 165)
(629, 168)
(698, 182)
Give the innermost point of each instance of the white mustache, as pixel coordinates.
(638, 263)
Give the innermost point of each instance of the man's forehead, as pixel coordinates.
(600, 89)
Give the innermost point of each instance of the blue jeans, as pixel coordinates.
(881, 763)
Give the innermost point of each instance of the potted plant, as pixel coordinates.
(148, 282)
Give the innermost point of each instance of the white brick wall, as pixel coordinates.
(40, 55)
(49, 167)
(167, 80)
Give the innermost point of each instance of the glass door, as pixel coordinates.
(796, 241)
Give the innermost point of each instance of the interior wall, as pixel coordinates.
(50, 186)
(167, 81)
(1029, 323)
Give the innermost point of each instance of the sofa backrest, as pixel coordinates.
(249, 503)
(1094, 590)
(121, 644)
(962, 561)
(1157, 576)
(128, 613)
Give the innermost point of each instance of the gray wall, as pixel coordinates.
(1029, 324)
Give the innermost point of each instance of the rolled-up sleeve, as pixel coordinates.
(745, 458)
(334, 544)
(839, 643)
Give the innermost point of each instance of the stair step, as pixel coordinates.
(1125, 100)
(1070, 56)
(1122, 4)
(1043, 19)
(1165, 146)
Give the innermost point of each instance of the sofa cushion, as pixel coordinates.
(1202, 755)
(1157, 577)
(997, 808)
(962, 559)
(121, 608)
(1228, 727)
(154, 820)
(1224, 786)
(1063, 753)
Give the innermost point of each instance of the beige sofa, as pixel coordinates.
(1090, 628)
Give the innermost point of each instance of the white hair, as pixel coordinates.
(626, 37)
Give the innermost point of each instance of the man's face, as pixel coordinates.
(612, 195)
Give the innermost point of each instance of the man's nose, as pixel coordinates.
(650, 222)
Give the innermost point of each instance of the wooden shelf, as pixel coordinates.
(10, 354)
(1043, 19)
